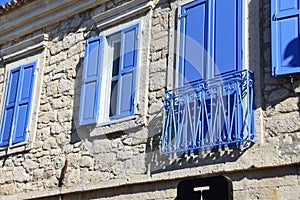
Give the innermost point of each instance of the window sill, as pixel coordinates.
(115, 121)
(119, 125)
(17, 148)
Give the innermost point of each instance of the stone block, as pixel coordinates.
(158, 66)
(47, 117)
(104, 161)
(86, 161)
(284, 123)
(157, 81)
(64, 116)
(64, 86)
(69, 41)
(55, 48)
(52, 88)
(20, 175)
(61, 102)
(8, 189)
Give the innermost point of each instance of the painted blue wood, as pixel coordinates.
(22, 110)
(126, 84)
(207, 110)
(210, 114)
(227, 32)
(8, 113)
(90, 89)
(210, 40)
(16, 113)
(193, 41)
(285, 42)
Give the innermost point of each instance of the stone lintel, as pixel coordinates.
(39, 14)
(123, 12)
(24, 48)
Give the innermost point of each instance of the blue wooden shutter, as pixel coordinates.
(126, 88)
(285, 40)
(193, 41)
(227, 36)
(9, 108)
(23, 104)
(90, 89)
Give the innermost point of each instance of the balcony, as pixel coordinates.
(211, 114)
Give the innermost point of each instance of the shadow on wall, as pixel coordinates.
(158, 162)
(291, 52)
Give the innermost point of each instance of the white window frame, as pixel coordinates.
(106, 72)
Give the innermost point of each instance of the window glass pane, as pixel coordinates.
(113, 98)
(116, 57)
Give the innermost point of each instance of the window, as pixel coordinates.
(213, 105)
(17, 106)
(285, 42)
(108, 85)
(210, 39)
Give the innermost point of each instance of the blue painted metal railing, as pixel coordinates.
(215, 113)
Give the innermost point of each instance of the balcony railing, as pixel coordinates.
(205, 115)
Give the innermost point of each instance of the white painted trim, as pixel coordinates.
(178, 37)
(109, 37)
(122, 13)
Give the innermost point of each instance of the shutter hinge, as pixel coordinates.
(274, 70)
(275, 16)
(182, 16)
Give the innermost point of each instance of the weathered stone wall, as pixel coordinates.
(281, 96)
(125, 163)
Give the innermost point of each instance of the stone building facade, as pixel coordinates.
(122, 158)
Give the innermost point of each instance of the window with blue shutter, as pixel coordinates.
(16, 113)
(213, 105)
(285, 42)
(112, 76)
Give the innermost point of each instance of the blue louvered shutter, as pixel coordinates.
(90, 89)
(23, 104)
(285, 42)
(126, 88)
(227, 36)
(9, 108)
(193, 41)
